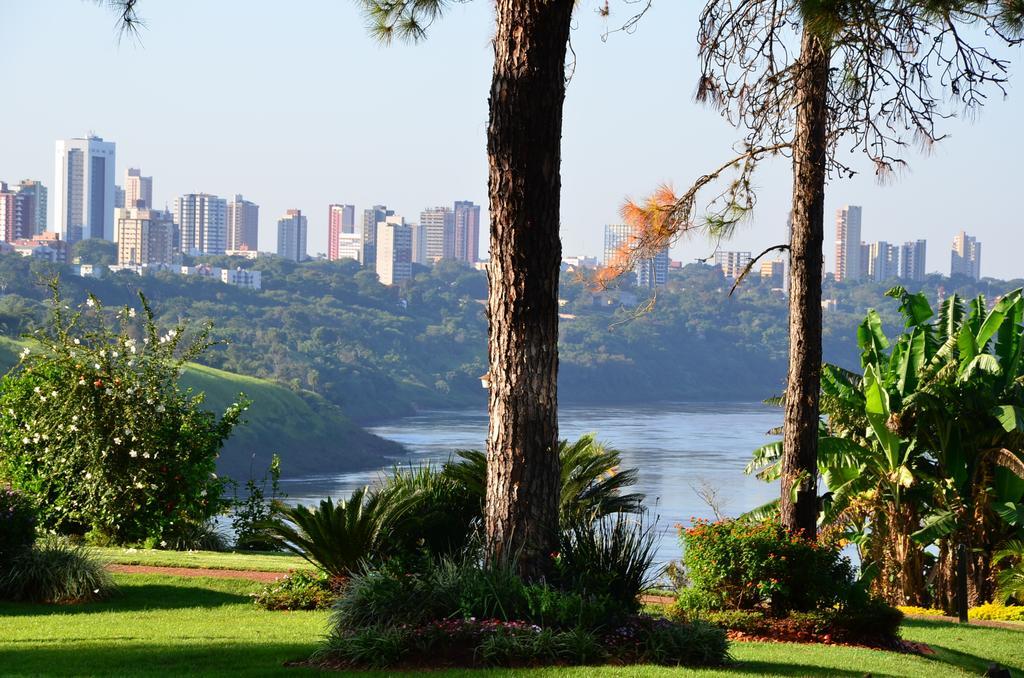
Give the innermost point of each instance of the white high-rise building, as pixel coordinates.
(436, 239)
(732, 263)
(291, 236)
(394, 250)
(83, 189)
(143, 236)
(912, 260)
(618, 239)
(883, 261)
(138, 190)
(966, 256)
(202, 223)
(848, 243)
(350, 246)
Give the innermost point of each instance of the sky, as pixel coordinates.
(294, 105)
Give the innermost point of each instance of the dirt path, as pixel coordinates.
(197, 572)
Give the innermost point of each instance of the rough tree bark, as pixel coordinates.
(524, 155)
(803, 385)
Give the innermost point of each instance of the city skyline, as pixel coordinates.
(442, 155)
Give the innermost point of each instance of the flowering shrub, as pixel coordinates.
(735, 564)
(997, 612)
(94, 426)
(17, 523)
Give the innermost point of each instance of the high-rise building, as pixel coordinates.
(138, 190)
(773, 272)
(912, 260)
(394, 250)
(618, 239)
(84, 189)
(243, 225)
(144, 236)
(467, 231)
(848, 243)
(7, 197)
(30, 209)
(118, 196)
(436, 239)
(341, 220)
(966, 256)
(371, 218)
(201, 221)
(732, 263)
(350, 246)
(291, 236)
(883, 261)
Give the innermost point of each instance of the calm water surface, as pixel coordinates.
(678, 448)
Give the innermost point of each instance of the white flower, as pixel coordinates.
(53, 394)
(160, 408)
(129, 391)
(117, 441)
(37, 389)
(110, 391)
(145, 340)
(145, 455)
(133, 454)
(72, 428)
(90, 302)
(25, 440)
(81, 382)
(103, 354)
(113, 354)
(131, 312)
(77, 342)
(172, 333)
(132, 349)
(42, 399)
(96, 365)
(163, 543)
(24, 354)
(74, 418)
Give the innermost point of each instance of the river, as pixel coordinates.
(679, 449)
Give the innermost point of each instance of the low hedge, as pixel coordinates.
(876, 624)
(988, 611)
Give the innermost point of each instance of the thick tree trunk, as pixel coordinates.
(524, 153)
(800, 428)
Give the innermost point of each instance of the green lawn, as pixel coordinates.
(214, 560)
(160, 625)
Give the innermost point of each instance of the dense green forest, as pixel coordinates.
(376, 352)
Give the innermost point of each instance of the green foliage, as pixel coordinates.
(612, 556)
(17, 522)
(98, 431)
(873, 622)
(95, 251)
(592, 482)
(1010, 576)
(256, 508)
(439, 511)
(337, 538)
(55, 571)
(300, 590)
(994, 611)
(697, 643)
(745, 565)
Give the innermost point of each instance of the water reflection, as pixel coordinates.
(678, 448)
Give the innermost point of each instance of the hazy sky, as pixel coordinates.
(293, 105)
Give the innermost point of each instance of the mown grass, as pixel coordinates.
(213, 560)
(163, 625)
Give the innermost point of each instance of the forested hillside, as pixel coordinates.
(377, 352)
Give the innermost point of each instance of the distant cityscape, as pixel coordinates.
(89, 204)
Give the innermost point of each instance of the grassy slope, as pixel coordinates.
(160, 625)
(310, 435)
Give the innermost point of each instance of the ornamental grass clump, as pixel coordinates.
(96, 429)
(55, 571)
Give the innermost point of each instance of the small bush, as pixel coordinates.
(54, 571)
(674, 644)
(735, 564)
(256, 508)
(611, 556)
(928, 611)
(17, 523)
(301, 590)
(873, 623)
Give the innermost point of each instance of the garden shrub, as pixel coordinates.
(737, 564)
(610, 556)
(17, 523)
(55, 571)
(97, 430)
(300, 590)
(256, 509)
(874, 623)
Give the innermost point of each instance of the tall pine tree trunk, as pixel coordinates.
(800, 429)
(524, 154)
